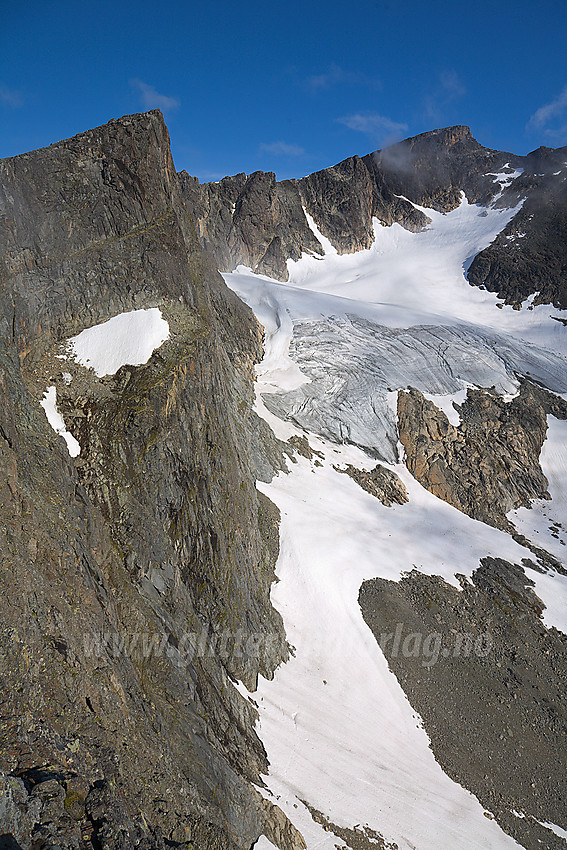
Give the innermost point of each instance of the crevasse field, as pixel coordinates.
(341, 338)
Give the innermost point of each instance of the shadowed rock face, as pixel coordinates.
(155, 532)
(433, 169)
(253, 221)
(530, 255)
(487, 465)
(487, 679)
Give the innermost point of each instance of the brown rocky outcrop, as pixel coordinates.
(380, 482)
(489, 464)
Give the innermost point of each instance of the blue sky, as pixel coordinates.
(289, 87)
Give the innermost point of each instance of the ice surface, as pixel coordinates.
(49, 404)
(129, 338)
(330, 362)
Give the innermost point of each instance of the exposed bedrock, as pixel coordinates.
(380, 482)
(489, 464)
(125, 569)
(250, 220)
(530, 255)
(487, 678)
(435, 168)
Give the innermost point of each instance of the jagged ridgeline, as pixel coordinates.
(155, 532)
(261, 223)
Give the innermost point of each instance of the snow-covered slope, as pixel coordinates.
(341, 338)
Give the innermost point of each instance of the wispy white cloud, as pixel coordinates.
(10, 97)
(451, 84)
(550, 118)
(282, 149)
(378, 127)
(447, 89)
(152, 99)
(335, 76)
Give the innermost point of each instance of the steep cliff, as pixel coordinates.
(125, 569)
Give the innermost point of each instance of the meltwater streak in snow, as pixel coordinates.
(341, 337)
(127, 339)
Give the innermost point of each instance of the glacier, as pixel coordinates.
(341, 338)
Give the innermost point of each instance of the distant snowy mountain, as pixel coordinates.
(261, 223)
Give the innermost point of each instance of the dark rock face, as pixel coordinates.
(487, 465)
(434, 168)
(530, 255)
(48, 809)
(261, 223)
(487, 678)
(155, 534)
(253, 221)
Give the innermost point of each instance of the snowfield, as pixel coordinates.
(127, 339)
(341, 338)
(337, 727)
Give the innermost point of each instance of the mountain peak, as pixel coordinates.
(445, 137)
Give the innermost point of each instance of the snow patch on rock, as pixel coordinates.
(49, 404)
(127, 339)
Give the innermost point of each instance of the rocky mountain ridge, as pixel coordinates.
(259, 222)
(155, 529)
